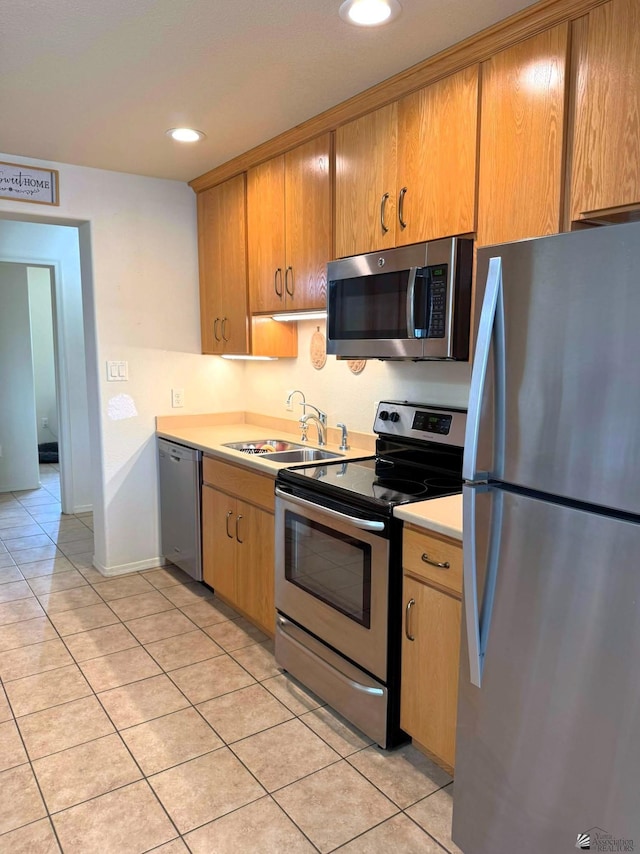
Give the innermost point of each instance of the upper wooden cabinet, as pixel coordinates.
(223, 268)
(522, 139)
(366, 155)
(437, 151)
(606, 144)
(407, 172)
(290, 229)
(224, 296)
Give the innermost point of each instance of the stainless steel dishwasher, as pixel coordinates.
(180, 485)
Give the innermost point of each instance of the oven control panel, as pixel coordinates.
(403, 419)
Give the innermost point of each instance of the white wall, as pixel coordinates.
(348, 397)
(138, 248)
(44, 367)
(138, 255)
(19, 460)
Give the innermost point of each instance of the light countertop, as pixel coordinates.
(442, 515)
(211, 438)
(209, 434)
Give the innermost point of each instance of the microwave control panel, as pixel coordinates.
(437, 278)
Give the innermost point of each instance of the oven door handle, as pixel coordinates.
(363, 524)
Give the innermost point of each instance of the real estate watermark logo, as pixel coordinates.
(597, 839)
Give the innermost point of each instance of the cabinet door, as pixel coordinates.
(234, 303)
(366, 154)
(308, 221)
(606, 146)
(437, 150)
(209, 238)
(218, 542)
(430, 668)
(255, 579)
(223, 268)
(265, 233)
(521, 139)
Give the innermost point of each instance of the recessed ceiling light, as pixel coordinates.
(369, 13)
(185, 134)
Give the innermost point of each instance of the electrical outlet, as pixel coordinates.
(177, 398)
(0, 450)
(44, 423)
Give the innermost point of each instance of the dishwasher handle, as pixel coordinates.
(178, 452)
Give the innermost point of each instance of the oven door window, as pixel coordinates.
(329, 565)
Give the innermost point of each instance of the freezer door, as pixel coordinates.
(564, 416)
(548, 747)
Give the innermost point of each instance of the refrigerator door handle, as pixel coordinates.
(490, 329)
(478, 618)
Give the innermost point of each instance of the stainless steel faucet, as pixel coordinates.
(322, 430)
(303, 402)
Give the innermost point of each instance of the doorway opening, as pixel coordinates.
(44, 265)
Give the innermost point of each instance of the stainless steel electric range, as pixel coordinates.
(339, 561)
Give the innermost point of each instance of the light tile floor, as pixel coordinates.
(140, 713)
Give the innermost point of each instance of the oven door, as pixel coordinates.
(332, 578)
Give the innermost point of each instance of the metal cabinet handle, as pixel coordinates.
(238, 529)
(229, 514)
(286, 280)
(403, 193)
(215, 329)
(277, 275)
(383, 202)
(427, 559)
(408, 634)
(223, 329)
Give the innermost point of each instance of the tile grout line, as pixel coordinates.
(35, 778)
(229, 654)
(116, 732)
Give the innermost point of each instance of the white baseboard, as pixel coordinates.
(123, 568)
(82, 508)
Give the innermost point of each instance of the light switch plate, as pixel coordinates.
(117, 372)
(177, 398)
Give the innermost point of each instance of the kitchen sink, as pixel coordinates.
(264, 446)
(304, 455)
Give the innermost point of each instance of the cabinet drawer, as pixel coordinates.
(236, 480)
(419, 548)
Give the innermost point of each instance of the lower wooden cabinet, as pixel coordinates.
(431, 644)
(238, 541)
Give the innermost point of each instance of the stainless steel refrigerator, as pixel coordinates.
(548, 739)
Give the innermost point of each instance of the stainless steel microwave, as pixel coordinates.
(408, 303)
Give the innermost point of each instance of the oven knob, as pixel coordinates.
(395, 416)
(384, 415)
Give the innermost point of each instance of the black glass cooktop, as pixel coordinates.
(375, 480)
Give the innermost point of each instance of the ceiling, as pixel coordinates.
(97, 83)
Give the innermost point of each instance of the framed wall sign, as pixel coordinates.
(29, 184)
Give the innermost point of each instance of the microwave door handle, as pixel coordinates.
(411, 303)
